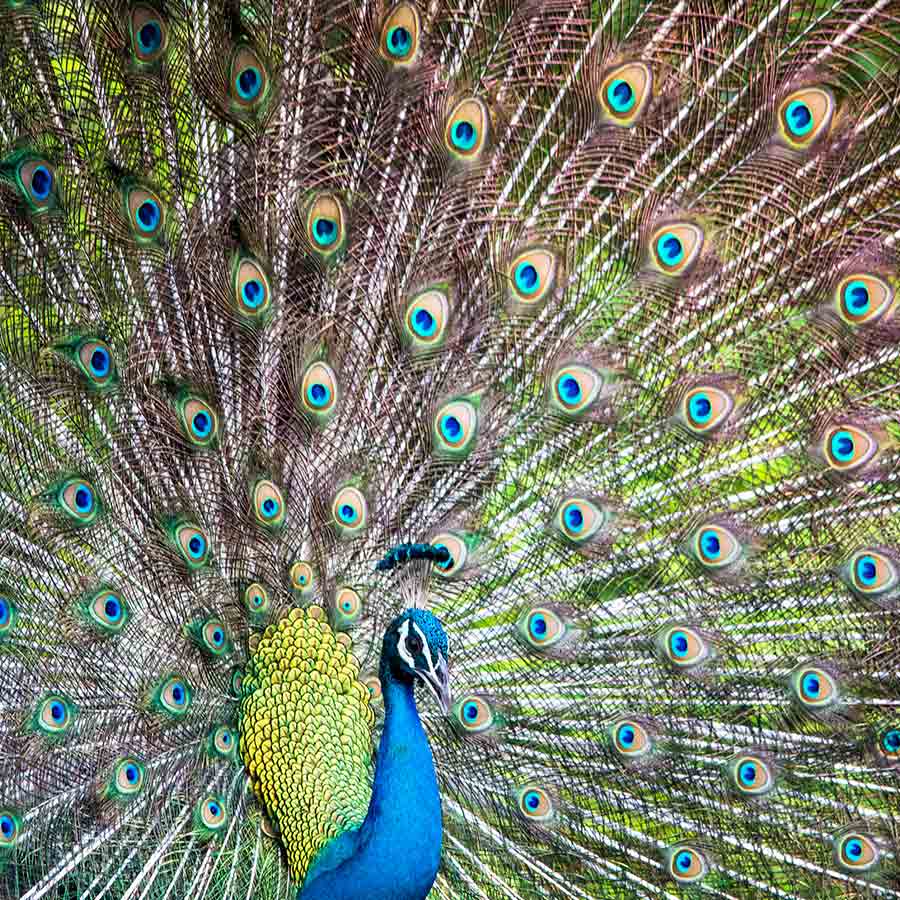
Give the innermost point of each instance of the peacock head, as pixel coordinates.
(416, 646)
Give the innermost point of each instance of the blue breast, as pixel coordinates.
(395, 853)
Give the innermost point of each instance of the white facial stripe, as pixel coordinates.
(431, 670)
(401, 645)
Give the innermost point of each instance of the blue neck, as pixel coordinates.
(395, 853)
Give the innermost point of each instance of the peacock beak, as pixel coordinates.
(437, 678)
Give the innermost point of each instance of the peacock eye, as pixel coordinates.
(676, 247)
(36, 179)
(349, 511)
(535, 804)
(96, 362)
(348, 605)
(862, 299)
(302, 578)
(541, 628)
(78, 499)
(751, 775)
(532, 276)
(373, 685)
(466, 132)
(199, 421)
(172, 696)
(715, 547)
(813, 687)
(856, 852)
(473, 714)
(682, 646)
(426, 319)
(804, 116)
(847, 447)
(211, 635)
(128, 777)
(459, 554)
(192, 543)
(268, 504)
(455, 429)
(249, 78)
(400, 34)
(871, 573)
(686, 864)
(8, 614)
(54, 715)
(222, 742)
(326, 224)
(251, 289)
(149, 34)
(888, 743)
(705, 408)
(145, 213)
(107, 612)
(256, 599)
(625, 92)
(319, 391)
(577, 519)
(630, 739)
(575, 388)
(10, 828)
(210, 816)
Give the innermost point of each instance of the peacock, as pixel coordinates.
(449, 449)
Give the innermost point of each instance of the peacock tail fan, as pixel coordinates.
(583, 315)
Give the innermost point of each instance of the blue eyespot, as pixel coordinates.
(470, 711)
(799, 118)
(270, 507)
(201, 424)
(574, 518)
(710, 544)
(57, 711)
(249, 83)
(147, 216)
(620, 95)
(626, 735)
(84, 499)
(463, 134)
(149, 37)
(131, 773)
(700, 408)
(527, 279)
(100, 362)
(570, 389)
(447, 563)
(178, 693)
(253, 293)
(853, 849)
(4, 613)
(325, 231)
(41, 182)
(867, 570)
(842, 446)
(424, 323)
(218, 637)
(678, 643)
(113, 608)
(684, 861)
(532, 800)
(856, 298)
(891, 740)
(7, 826)
(214, 808)
(669, 248)
(399, 41)
(347, 513)
(196, 546)
(318, 394)
(747, 773)
(811, 685)
(451, 428)
(538, 626)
